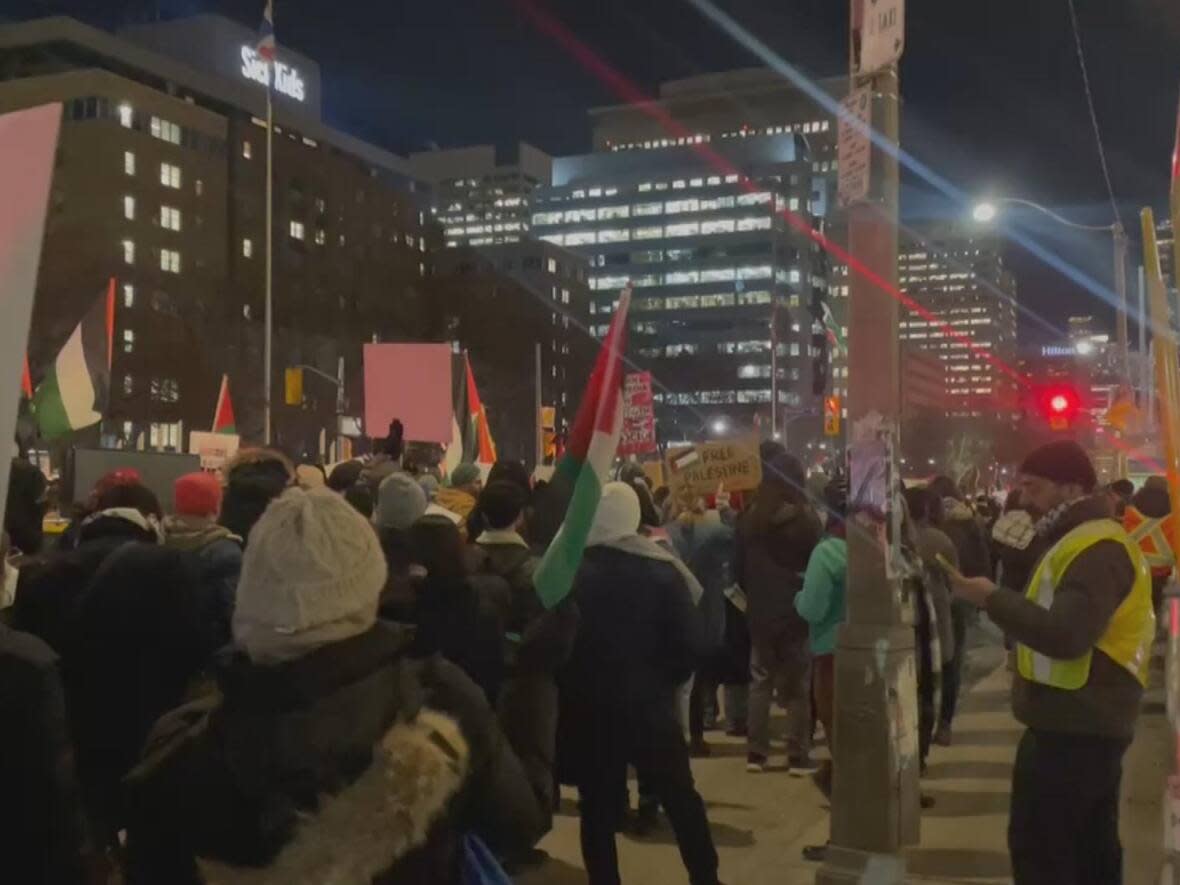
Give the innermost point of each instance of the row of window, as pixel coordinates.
(160, 390)
(660, 232)
(722, 397)
(668, 207)
(169, 258)
(99, 108)
(169, 217)
(691, 277)
(809, 127)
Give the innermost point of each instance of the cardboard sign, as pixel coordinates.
(639, 417)
(700, 469)
(214, 449)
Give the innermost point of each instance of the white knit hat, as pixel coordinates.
(311, 574)
(618, 514)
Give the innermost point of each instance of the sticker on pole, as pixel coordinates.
(854, 149)
(878, 34)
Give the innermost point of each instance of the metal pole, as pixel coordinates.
(1144, 365)
(540, 434)
(268, 322)
(774, 372)
(875, 745)
(1120, 282)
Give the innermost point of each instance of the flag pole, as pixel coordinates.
(268, 321)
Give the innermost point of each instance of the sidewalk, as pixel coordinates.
(762, 822)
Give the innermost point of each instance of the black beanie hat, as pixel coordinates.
(1061, 462)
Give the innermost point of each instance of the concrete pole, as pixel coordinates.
(875, 796)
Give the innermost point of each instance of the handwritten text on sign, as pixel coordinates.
(639, 418)
(703, 467)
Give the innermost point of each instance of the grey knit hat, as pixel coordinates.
(311, 575)
(400, 502)
(465, 474)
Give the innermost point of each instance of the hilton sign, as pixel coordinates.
(287, 79)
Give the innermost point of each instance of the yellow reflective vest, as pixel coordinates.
(1128, 637)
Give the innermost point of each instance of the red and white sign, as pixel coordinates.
(854, 149)
(639, 417)
(878, 33)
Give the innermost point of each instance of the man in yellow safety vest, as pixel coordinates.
(1083, 627)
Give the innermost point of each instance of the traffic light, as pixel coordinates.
(831, 416)
(293, 387)
(1060, 405)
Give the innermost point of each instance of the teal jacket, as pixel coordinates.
(821, 601)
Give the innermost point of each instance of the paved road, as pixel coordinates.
(761, 822)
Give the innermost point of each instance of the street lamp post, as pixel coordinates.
(986, 211)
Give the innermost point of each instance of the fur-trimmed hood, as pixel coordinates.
(364, 830)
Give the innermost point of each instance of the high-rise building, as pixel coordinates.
(160, 183)
(519, 309)
(968, 316)
(719, 277)
(481, 199)
(686, 196)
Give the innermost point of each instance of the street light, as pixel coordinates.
(986, 211)
(720, 426)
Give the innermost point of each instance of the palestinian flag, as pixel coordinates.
(26, 380)
(585, 466)
(76, 391)
(223, 416)
(471, 436)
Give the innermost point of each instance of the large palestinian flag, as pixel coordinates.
(77, 389)
(471, 435)
(585, 466)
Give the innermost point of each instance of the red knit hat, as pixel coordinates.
(197, 494)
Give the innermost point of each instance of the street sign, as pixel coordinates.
(878, 32)
(854, 149)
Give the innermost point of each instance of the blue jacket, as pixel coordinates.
(821, 601)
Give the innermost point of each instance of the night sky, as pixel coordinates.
(993, 102)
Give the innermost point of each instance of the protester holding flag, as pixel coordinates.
(638, 641)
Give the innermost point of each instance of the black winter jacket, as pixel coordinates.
(232, 781)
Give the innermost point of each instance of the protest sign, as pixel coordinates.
(702, 468)
(639, 417)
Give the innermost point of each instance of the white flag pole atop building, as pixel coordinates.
(266, 50)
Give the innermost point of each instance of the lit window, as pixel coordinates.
(128, 385)
(247, 150)
(722, 226)
(128, 340)
(128, 163)
(165, 131)
(579, 238)
(296, 229)
(552, 265)
(648, 233)
(761, 223)
(609, 212)
(128, 295)
(320, 236)
(170, 261)
(169, 218)
(247, 248)
(169, 175)
(687, 229)
(125, 115)
(129, 251)
(129, 208)
(673, 207)
(614, 235)
(753, 199)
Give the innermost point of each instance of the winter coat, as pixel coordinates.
(463, 620)
(50, 585)
(932, 542)
(215, 556)
(821, 601)
(707, 549)
(137, 644)
(328, 768)
(42, 839)
(1084, 601)
(966, 531)
(772, 553)
(639, 639)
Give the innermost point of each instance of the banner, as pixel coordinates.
(701, 469)
(410, 382)
(639, 417)
(214, 449)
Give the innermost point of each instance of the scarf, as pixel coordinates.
(637, 545)
(1046, 523)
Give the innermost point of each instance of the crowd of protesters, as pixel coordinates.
(289, 674)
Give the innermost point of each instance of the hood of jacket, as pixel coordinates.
(124, 522)
(189, 533)
(361, 832)
(953, 508)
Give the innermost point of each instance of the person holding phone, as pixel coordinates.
(1083, 629)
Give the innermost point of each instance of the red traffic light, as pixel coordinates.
(1060, 405)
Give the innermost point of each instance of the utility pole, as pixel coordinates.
(875, 747)
(1120, 283)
